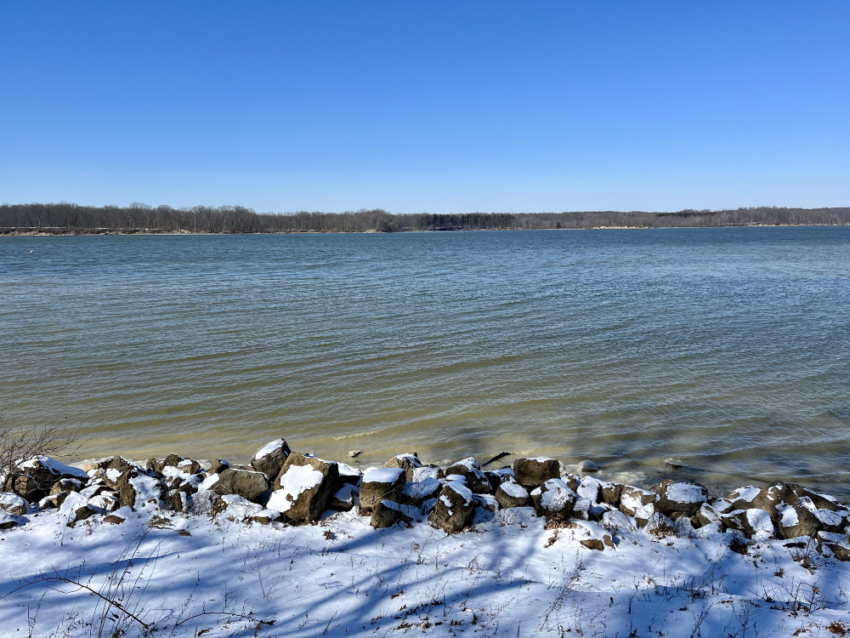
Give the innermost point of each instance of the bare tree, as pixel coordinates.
(23, 443)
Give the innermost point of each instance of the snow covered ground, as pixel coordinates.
(175, 574)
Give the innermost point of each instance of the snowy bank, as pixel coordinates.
(310, 547)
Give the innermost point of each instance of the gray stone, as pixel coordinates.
(270, 458)
(587, 466)
(454, 508)
(407, 462)
(380, 484)
(303, 487)
(512, 494)
(386, 514)
(245, 483)
(473, 476)
(680, 496)
(535, 472)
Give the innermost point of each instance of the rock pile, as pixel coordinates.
(283, 486)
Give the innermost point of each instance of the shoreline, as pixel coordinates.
(153, 233)
(294, 545)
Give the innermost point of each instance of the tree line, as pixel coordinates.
(139, 218)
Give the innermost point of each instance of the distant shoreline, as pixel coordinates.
(80, 232)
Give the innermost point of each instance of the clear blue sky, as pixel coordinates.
(427, 106)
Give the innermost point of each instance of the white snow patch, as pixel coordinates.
(422, 473)
(514, 489)
(54, 466)
(685, 493)
(382, 474)
(762, 526)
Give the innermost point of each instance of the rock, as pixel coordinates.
(26, 487)
(796, 521)
(454, 508)
(469, 469)
(587, 466)
(177, 501)
(581, 508)
(554, 500)
(839, 551)
(121, 464)
(248, 484)
(611, 493)
(348, 474)
(674, 463)
(7, 520)
(617, 521)
(80, 514)
(428, 471)
(637, 502)
(344, 499)
(768, 499)
(512, 494)
(387, 514)
(54, 500)
(572, 480)
(706, 515)
(113, 519)
(236, 508)
(270, 458)
(380, 484)
(135, 488)
(355, 453)
(590, 488)
(682, 496)
(407, 462)
(486, 502)
(414, 494)
(591, 535)
(101, 464)
(105, 502)
(266, 517)
(12, 503)
(754, 524)
(535, 472)
(66, 485)
(304, 485)
(820, 501)
(218, 466)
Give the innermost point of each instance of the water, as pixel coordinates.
(728, 348)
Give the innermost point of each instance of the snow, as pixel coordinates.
(343, 578)
(590, 488)
(147, 490)
(469, 463)
(789, 517)
(420, 489)
(514, 489)
(54, 466)
(746, 494)
(296, 480)
(348, 471)
(631, 499)
(422, 473)
(269, 448)
(208, 482)
(685, 493)
(9, 500)
(382, 474)
(557, 495)
(762, 526)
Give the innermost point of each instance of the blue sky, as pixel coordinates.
(427, 106)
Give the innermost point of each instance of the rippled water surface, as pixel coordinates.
(729, 348)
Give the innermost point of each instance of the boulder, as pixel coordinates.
(53, 501)
(659, 525)
(428, 471)
(26, 487)
(840, 551)
(407, 462)
(12, 503)
(754, 524)
(554, 500)
(768, 499)
(512, 494)
(590, 488)
(344, 499)
(611, 493)
(113, 519)
(587, 466)
(796, 521)
(680, 496)
(572, 480)
(270, 458)
(637, 503)
(454, 508)
(136, 489)
(236, 508)
(266, 517)
(414, 494)
(380, 484)
(821, 501)
(706, 515)
(7, 520)
(387, 514)
(106, 502)
(248, 484)
(66, 485)
(348, 475)
(535, 472)
(34, 478)
(469, 469)
(303, 487)
(80, 514)
(218, 466)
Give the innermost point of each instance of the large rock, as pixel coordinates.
(415, 494)
(387, 514)
(535, 472)
(245, 483)
(12, 503)
(454, 508)
(637, 503)
(407, 462)
(380, 484)
(554, 500)
(754, 523)
(66, 485)
(611, 493)
(34, 478)
(796, 521)
(590, 488)
(7, 520)
(136, 489)
(304, 485)
(344, 499)
(769, 499)
(685, 497)
(512, 494)
(471, 472)
(270, 458)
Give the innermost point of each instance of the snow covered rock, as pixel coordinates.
(34, 477)
(682, 496)
(475, 479)
(304, 485)
(830, 520)
(344, 499)
(454, 508)
(796, 521)
(380, 484)
(387, 514)
(415, 494)
(407, 462)
(706, 515)
(512, 494)
(554, 500)
(637, 502)
(7, 520)
(236, 508)
(135, 489)
(66, 485)
(218, 466)
(348, 475)
(659, 525)
(12, 503)
(611, 493)
(587, 466)
(753, 523)
(428, 471)
(246, 483)
(590, 488)
(270, 458)
(534, 472)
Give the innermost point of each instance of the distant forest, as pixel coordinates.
(65, 218)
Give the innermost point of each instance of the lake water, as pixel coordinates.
(728, 348)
